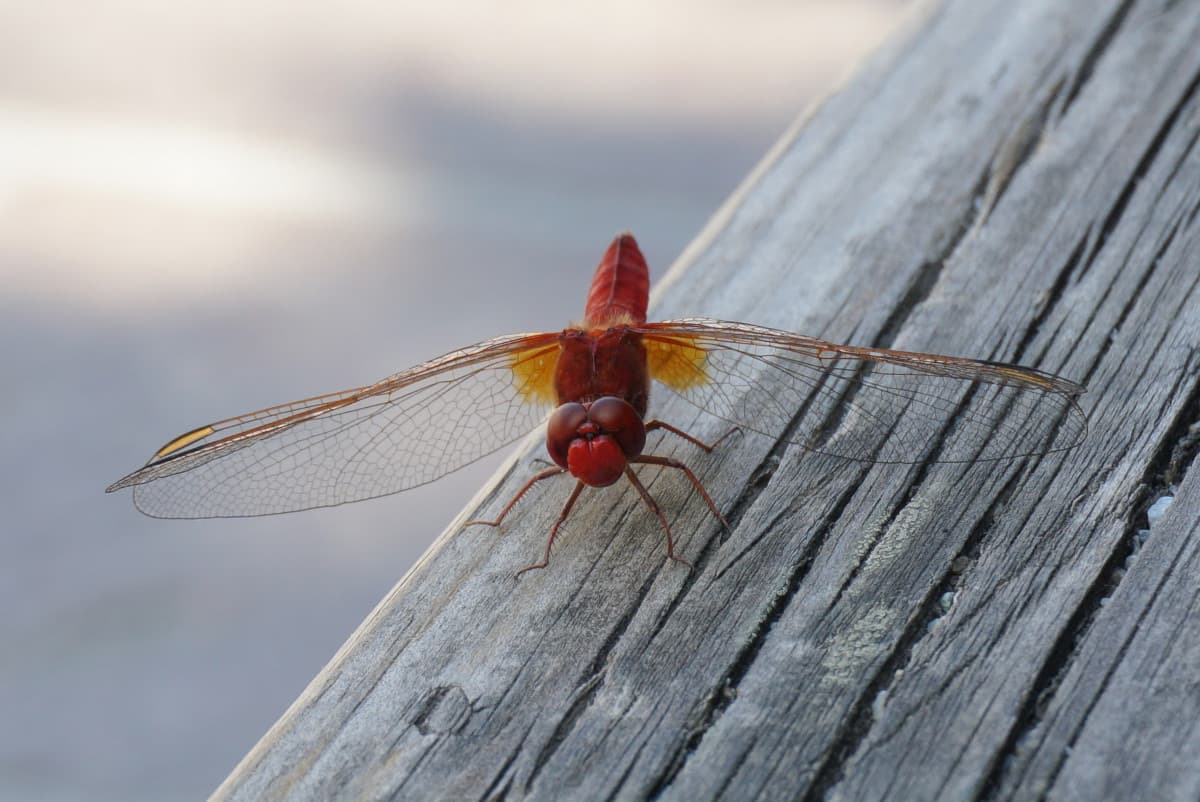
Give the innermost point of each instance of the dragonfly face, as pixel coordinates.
(595, 440)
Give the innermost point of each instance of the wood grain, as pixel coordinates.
(1016, 180)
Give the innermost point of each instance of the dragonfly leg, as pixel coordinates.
(708, 447)
(562, 516)
(537, 477)
(653, 505)
(667, 462)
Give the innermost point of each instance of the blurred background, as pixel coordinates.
(206, 208)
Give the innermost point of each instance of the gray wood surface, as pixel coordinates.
(1016, 180)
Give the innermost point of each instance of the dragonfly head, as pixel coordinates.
(596, 439)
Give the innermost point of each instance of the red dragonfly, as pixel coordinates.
(594, 380)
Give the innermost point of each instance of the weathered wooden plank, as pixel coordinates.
(1011, 180)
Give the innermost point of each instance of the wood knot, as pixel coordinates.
(443, 711)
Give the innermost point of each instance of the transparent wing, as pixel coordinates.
(398, 433)
(864, 403)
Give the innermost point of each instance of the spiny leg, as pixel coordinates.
(653, 505)
(562, 516)
(546, 474)
(708, 447)
(667, 462)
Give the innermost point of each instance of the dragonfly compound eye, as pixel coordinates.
(616, 417)
(562, 429)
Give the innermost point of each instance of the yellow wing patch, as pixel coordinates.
(1021, 376)
(183, 440)
(533, 373)
(677, 361)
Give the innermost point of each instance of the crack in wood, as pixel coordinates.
(1187, 445)
(1016, 148)
(1052, 298)
(1191, 215)
(862, 716)
(501, 784)
(922, 283)
(766, 529)
(1046, 687)
(594, 677)
(631, 764)
(1087, 64)
(1132, 300)
(738, 668)
(1178, 449)
(583, 700)
(1113, 218)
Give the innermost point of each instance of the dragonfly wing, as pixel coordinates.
(401, 432)
(864, 403)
